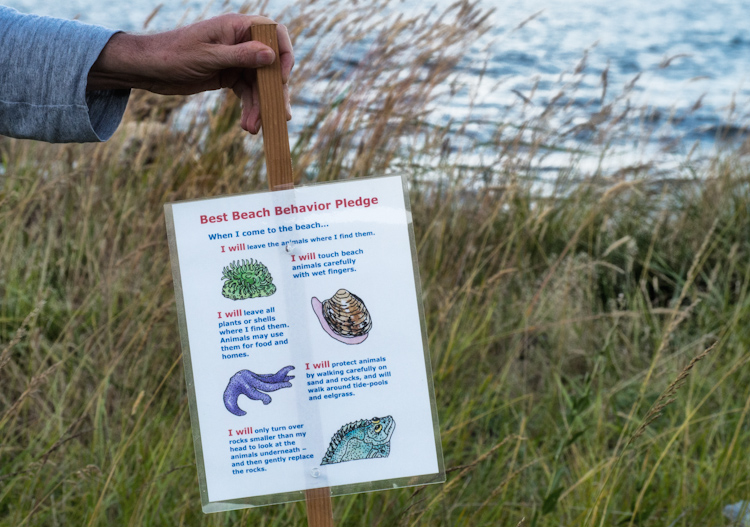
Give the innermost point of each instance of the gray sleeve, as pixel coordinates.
(44, 66)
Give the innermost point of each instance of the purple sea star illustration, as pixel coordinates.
(245, 382)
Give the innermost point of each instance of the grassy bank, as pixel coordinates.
(563, 328)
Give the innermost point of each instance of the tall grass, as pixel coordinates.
(563, 326)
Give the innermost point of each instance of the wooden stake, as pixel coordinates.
(273, 113)
(319, 507)
(279, 169)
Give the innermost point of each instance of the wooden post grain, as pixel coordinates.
(319, 507)
(279, 169)
(273, 113)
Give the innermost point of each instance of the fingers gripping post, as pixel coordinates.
(273, 113)
(279, 168)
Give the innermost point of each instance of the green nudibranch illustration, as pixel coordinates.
(365, 439)
(247, 279)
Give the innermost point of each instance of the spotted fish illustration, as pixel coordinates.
(365, 439)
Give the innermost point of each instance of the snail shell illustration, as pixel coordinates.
(344, 317)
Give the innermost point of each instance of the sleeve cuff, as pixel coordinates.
(44, 67)
(106, 108)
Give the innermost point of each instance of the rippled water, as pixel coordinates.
(685, 51)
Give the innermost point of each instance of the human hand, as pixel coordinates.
(208, 55)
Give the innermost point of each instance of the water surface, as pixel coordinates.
(684, 51)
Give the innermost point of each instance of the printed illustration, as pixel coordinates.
(247, 279)
(365, 439)
(253, 385)
(344, 317)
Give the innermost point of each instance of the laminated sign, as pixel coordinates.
(304, 342)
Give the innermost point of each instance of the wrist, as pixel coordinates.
(120, 64)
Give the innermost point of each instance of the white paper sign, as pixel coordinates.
(304, 344)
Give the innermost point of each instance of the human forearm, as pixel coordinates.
(208, 55)
(171, 63)
(121, 64)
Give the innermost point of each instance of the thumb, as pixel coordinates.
(251, 54)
